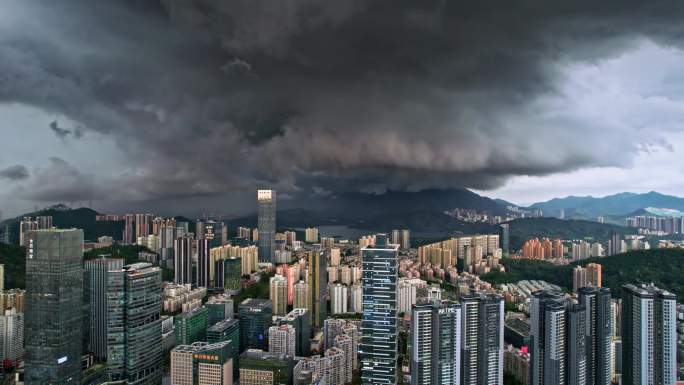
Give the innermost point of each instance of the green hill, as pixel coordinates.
(65, 218)
(664, 267)
(14, 259)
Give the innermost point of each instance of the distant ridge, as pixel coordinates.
(621, 204)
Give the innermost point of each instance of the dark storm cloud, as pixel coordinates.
(15, 173)
(59, 181)
(209, 96)
(61, 133)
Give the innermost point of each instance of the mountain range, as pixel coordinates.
(422, 212)
(622, 204)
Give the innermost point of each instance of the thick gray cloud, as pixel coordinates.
(15, 173)
(210, 96)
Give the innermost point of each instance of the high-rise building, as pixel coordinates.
(299, 320)
(282, 339)
(335, 257)
(278, 294)
(11, 335)
(378, 349)
(13, 298)
(228, 274)
(318, 285)
(311, 235)
(548, 312)
(134, 327)
(594, 275)
(504, 231)
(203, 271)
(346, 345)
(263, 368)
(407, 292)
(338, 298)
(182, 261)
(26, 225)
(54, 306)
(615, 246)
(356, 299)
(436, 343)
(96, 292)
(337, 374)
(202, 364)
(219, 308)
(191, 326)
(327, 242)
(596, 303)
(266, 200)
(561, 332)
(255, 319)
(649, 337)
(300, 299)
(227, 330)
(482, 332)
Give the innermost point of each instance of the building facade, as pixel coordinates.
(134, 326)
(482, 328)
(649, 337)
(266, 200)
(436, 343)
(378, 349)
(96, 290)
(54, 304)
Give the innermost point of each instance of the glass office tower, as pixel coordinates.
(266, 200)
(134, 329)
(54, 306)
(378, 348)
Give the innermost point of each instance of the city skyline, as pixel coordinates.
(302, 192)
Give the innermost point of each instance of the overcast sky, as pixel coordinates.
(189, 106)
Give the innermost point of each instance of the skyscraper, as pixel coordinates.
(378, 349)
(649, 337)
(318, 284)
(504, 231)
(615, 244)
(282, 339)
(134, 329)
(300, 321)
(229, 274)
(339, 295)
(436, 343)
(278, 294)
(301, 296)
(202, 279)
(266, 200)
(182, 261)
(548, 318)
(96, 288)
(482, 339)
(11, 335)
(255, 319)
(54, 303)
(566, 337)
(596, 303)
